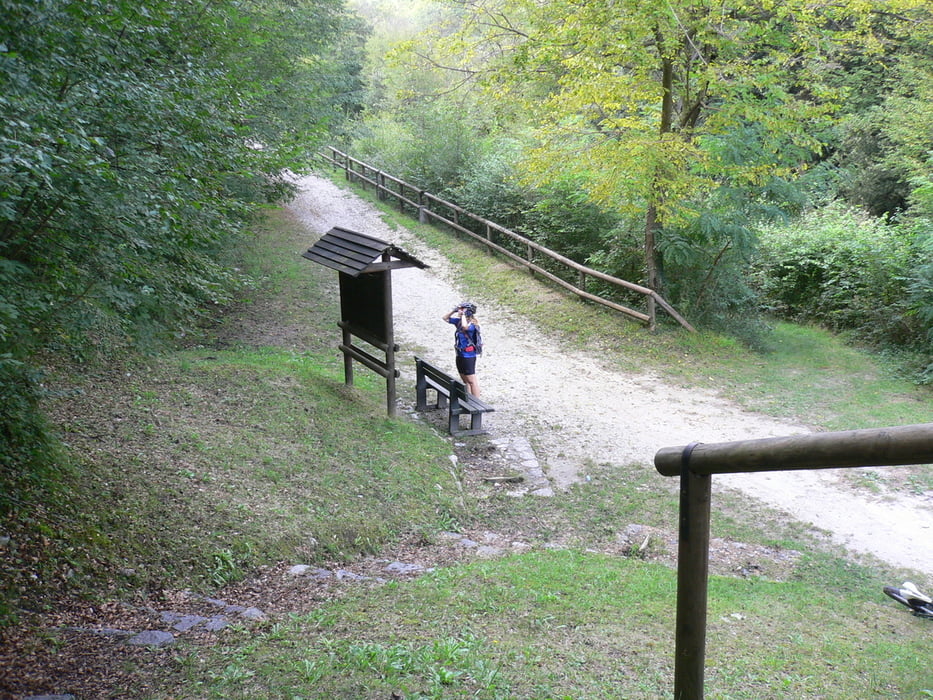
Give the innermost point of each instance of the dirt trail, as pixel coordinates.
(588, 412)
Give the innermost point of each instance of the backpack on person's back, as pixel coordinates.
(469, 341)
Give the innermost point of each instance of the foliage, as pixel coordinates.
(417, 136)
(880, 156)
(558, 215)
(631, 97)
(429, 151)
(490, 187)
(135, 140)
(696, 118)
(23, 429)
(847, 271)
(920, 288)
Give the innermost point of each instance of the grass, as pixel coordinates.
(224, 455)
(571, 624)
(245, 448)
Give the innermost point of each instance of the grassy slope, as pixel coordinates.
(571, 624)
(220, 457)
(192, 467)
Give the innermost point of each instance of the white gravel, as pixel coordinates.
(586, 411)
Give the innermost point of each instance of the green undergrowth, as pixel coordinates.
(572, 624)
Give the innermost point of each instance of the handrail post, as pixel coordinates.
(692, 581)
(697, 462)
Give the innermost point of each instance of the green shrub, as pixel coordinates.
(847, 271)
(490, 188)
(557, 215)
(26, 446)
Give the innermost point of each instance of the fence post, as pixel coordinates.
(697, 462)
(692, 581)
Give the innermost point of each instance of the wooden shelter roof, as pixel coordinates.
(356, 253)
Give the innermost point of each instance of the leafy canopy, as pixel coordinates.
(136, 138)
(643, 99)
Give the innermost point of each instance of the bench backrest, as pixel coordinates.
(454, 387)
(435, 374)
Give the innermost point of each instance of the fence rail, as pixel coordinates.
(433, 209)
(696, 463)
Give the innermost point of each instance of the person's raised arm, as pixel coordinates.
(451, 313)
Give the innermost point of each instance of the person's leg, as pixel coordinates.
(472, 383)
(466, 366)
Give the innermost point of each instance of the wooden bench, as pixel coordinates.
(451, 394)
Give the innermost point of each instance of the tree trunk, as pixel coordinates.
(652, 223)
(651, 261)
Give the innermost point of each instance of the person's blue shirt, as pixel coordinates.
(464, 339)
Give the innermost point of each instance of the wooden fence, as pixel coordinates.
(697, 462)
(432, 209)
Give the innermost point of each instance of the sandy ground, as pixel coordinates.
(587, 412)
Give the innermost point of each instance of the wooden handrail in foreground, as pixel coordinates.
(697, 462)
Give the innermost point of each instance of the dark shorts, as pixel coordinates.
(466, 365)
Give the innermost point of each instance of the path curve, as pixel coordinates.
(589, 412)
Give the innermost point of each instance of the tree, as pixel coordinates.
(136, 138)
(658, 105)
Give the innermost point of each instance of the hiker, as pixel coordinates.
(467, 342)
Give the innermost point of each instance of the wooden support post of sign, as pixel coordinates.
(347, 338)
(390, 340)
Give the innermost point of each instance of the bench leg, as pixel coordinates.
(421, 393)
(476, 421)
(453, 416)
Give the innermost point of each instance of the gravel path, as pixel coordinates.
(590, 412)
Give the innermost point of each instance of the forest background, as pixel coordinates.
(750, 160)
